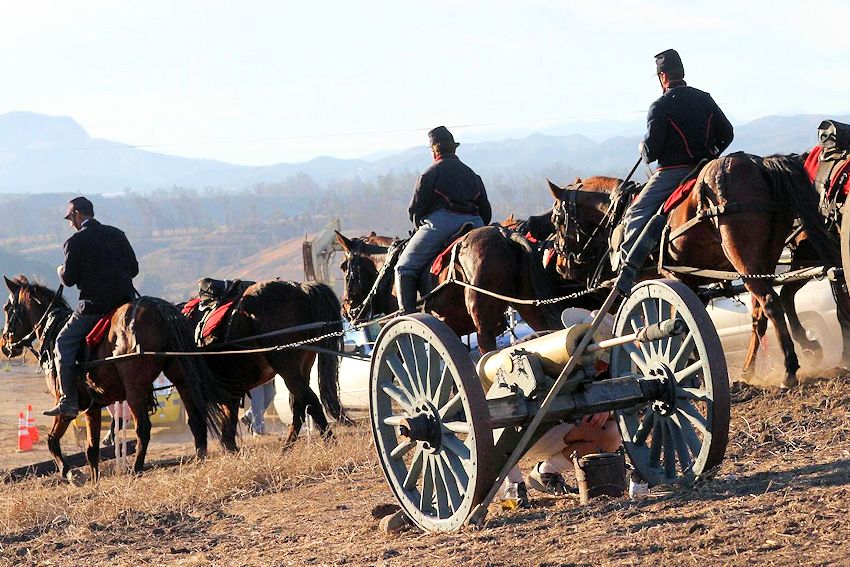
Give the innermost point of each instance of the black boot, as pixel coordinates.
(67, 405)
(407, 289)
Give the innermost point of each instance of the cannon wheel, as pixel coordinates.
(430, 422)
(684, 437)
(844, 237)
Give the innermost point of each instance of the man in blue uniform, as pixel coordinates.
(683, 127)
(101, 263)
(447, 196)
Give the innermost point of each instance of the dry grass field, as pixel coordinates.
(780, 498)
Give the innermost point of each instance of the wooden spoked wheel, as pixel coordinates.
(430, 422)
(683, 436)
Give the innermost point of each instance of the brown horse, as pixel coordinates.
(752, 203)
(34, 312)
(486, 258)
(267, 307)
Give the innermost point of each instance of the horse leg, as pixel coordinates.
(314, 406)
(772, 305)
(228, 429)
(759, 329)
(93, 442)
(139, 408)
(60, 426)
(301, 400)
(787, 295)
(842, 304)
(194, 415)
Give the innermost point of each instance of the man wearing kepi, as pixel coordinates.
(683, 127)
(447, 196)
(101, 263)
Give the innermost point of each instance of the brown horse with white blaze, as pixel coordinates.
(752, 203)
(34, 312)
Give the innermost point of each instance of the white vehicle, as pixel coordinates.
(732, 317)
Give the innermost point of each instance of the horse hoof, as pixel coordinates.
(789, 382)
(75, 477)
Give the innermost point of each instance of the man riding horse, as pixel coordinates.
(683, 127)
(448, 196)
(101, 263)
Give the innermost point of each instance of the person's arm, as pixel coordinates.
(130, 256)
(421, 200)
(69, 271)
(484, 209)
(656, 130)
(723, 131)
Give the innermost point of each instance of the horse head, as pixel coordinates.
(363, 260)
(21, 311)
(577, 221)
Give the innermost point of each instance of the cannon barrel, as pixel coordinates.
(553, 350)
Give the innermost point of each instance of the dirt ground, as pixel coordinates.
(780, 498)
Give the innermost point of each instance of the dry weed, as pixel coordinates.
(261, 467)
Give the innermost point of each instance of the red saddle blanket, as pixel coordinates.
(190, 306)
(812, 165)
(679, 195)
(441, 261)
(218, 315)
(98, 332)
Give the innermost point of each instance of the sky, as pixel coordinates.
(261, 82)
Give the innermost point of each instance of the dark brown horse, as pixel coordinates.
(759, 197)
(147, 323)
(270, 306)
(486, 258)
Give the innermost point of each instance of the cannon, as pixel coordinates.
(445, 443)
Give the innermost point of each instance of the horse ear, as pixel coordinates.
(343, 241)
(577, 181)
(13, 287)
(555, 190)
(373, 234)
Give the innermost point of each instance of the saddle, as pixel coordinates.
(679, 195)
(216, 300)
(828, 165)
(428, 280)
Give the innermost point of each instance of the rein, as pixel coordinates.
(26, 340)
(354, 273)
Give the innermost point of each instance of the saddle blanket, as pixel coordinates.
(679, 195)
(191, 305)
(835, 173)
(215, 318)
(98, 332)
(441, 261)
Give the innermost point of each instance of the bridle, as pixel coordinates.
(16, 315)
(566, 222)
(354, 274)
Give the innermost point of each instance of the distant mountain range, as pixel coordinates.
(41, 153)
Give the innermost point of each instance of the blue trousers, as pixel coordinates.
(68, 344)
(261, 398)
(430, 239)
(659, 187)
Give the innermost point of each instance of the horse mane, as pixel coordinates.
(37, 291)
(600, 184)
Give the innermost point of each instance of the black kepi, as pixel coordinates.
(441, 135)
(669, 60)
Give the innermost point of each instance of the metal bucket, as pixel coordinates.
(600, 474)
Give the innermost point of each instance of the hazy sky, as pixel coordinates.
(266, 82)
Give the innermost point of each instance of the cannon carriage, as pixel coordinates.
(447, 433)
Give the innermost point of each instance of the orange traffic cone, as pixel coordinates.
(31, 427)
(24, 440)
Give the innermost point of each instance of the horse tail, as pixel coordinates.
(541, 284)
(787, 177)
(201, 383)
(324, 306)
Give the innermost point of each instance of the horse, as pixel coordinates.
(34, 312)
(752, 204)
(485, 258)
(264, 309)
